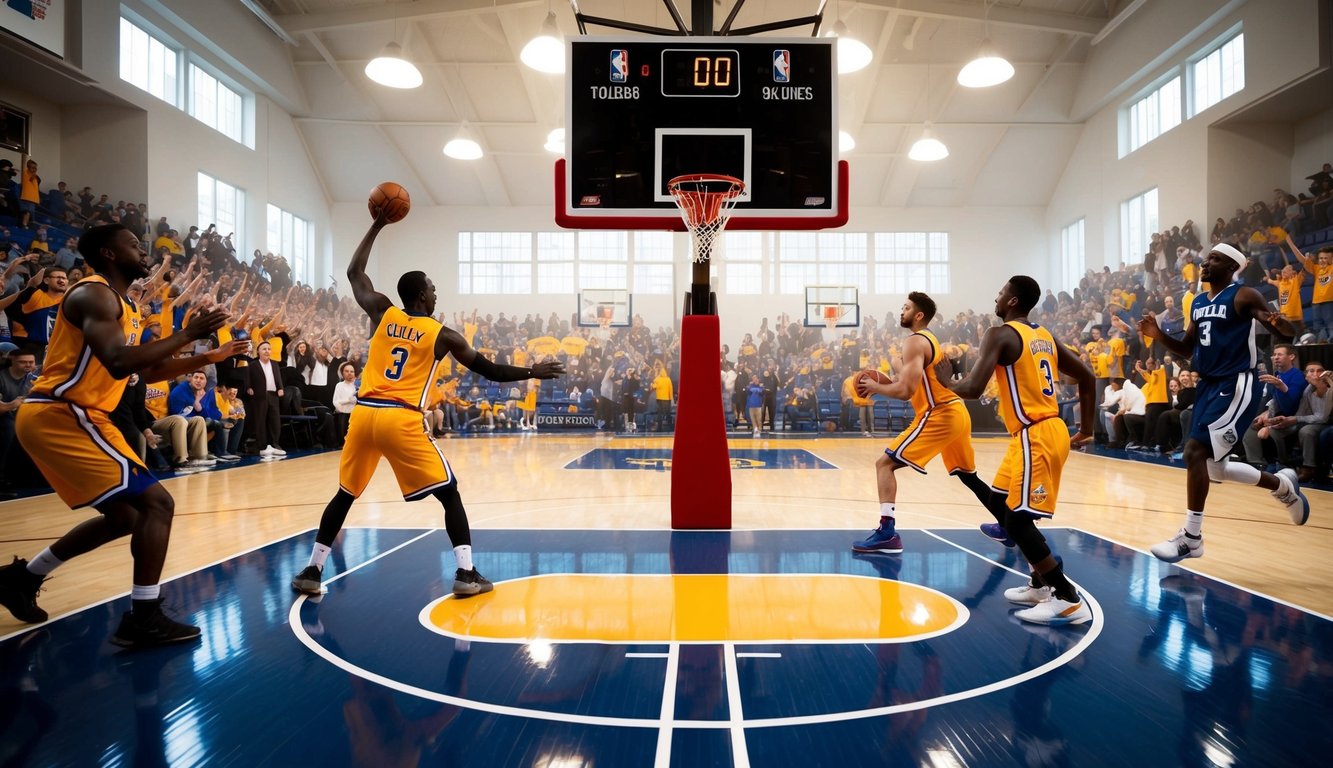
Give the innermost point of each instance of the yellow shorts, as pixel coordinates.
(945, 431)
(1030, 470)
(399, 435)
(80, 452)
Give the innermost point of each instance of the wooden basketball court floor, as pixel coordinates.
(612, 640)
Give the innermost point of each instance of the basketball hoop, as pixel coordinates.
(832, 314)
(705, 201)
(604, 314)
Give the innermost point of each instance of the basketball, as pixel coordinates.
(872, 374)
(392, 199)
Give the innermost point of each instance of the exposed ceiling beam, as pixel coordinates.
(979, 166)
(318, 45)
(1070, 42)
(956, 10)
(412, 11)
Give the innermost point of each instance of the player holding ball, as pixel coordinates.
(942, 426)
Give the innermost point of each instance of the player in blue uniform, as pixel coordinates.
(1221, 339)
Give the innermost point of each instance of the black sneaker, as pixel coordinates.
(18, 592)
(146, 629)
(470, 583)
(308, 580)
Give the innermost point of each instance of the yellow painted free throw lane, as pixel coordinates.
(653, 608)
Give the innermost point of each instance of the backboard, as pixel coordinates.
(642, 110)
(605, 307)
(839, 304)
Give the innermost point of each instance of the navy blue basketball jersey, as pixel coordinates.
(1224, 340)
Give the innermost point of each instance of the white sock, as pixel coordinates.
(1240, 472)
(149, 592)
(1193, 522)
(44, 563)
(463, 553)
(886, 509)
(319, 554)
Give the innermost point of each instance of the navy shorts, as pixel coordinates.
(1224, 407)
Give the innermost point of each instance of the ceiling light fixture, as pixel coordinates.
(555, 141)
(546, 51)
(989, 67)
(462, 147)
(928, 149)
(845, 142)
(853, 55)
(392, 69)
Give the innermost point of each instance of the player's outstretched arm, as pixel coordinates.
(999, 341)
(451, 342)
(373, 302)
(915, 352)
(95, 310)
(1250, 302)
(1183, 347)
(1069, 364)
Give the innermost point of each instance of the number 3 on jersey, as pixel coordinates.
(1045, 365)
(1205, 333)
(395, 372)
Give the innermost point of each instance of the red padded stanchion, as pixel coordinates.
(700, 464)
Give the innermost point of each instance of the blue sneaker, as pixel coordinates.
(997, 532)
(879, 541)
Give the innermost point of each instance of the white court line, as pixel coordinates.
(740, 753)
(662, 759)
(1181, 566)
(647, 655)
(757, 655)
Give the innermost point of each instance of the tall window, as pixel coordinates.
(291, 237)
(224, 205)
(1154, 114)
(555, 262)
(603, 259)
(1218, 74)
(743, 262)
(653, 262)
(911, 261)
(821, 258)
(1071, 255)
(216, 105)
(147, 63)
(1138, 221)
(495, 262)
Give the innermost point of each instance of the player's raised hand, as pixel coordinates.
(203, 324)
(1148, 326)
(230, 349)
(548, 369)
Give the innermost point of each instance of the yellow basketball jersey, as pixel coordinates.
(931, 393)
(71, 372)
(1027, 386)
(401, 364)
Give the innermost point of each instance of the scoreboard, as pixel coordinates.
(641, 111)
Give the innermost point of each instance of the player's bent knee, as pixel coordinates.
(885, 461)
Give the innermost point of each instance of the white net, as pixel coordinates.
(705, 201)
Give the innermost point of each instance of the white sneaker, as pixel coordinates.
(1289, 495)
(1054, 612)
(201, 463)
(1028, 594)
(1178, 547)
(276, 451)
(756, 434)
(266, 451)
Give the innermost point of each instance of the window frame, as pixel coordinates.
(931, 271)
(237, 225)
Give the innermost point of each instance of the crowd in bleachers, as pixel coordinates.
(310, 344)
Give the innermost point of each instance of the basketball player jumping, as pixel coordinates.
(1221, 339)
(1026, 361)
(405, 350)
(65, 427)
(942, 426)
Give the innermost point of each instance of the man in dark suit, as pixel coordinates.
(263, 391)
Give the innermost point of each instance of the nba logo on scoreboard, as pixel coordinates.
(781, 66)
(619, 65)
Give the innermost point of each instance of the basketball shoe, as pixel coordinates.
(308, 580)
(879, 541)
(1178, 547)
(469, 583)
(18, 592)
(1056, 612)
(1028, 594)
(997, 532)
(1289, 495)
(152, 627)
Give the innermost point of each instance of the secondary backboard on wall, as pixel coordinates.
(605, 308)
(641, 111)
(832, 306)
